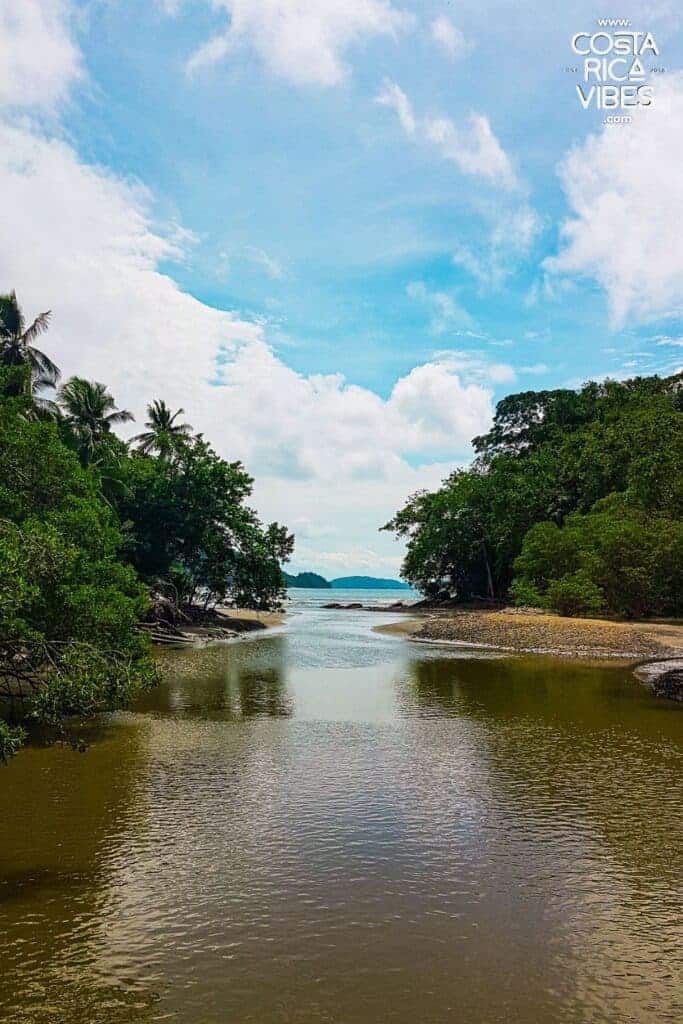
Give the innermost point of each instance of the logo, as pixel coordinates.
(614, 71)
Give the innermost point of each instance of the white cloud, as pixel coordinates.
(392, 95)
(625, 189)
(305, 43)
(449, 37)
(266, 262)
(535, 368)
(38, 59)
(511, 225)
(446, 312)
(476, 366)
(318, 446)
(472, 145)
(514, 229)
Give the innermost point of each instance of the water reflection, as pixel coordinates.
(66, 817)
(244, 680)
(336, 826)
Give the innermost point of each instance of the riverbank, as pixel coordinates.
(219, 624)
(538, 632)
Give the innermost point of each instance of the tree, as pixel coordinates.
(190, 529)
(616, 557)
(69, 608)
(163, 433)
(16, 340)
(549, 456)
(90, 414)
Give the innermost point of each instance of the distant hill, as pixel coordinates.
(308, 579)
(313, 580)
(367, 583)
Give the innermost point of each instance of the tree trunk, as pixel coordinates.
(489, 577)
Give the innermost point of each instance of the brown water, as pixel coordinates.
(328, 825)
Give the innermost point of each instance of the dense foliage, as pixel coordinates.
(90, 529)
(574, 502)
(68, 605)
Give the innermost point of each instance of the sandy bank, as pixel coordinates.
(248, 614)
(513, 630)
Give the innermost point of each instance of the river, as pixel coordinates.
(326, 824)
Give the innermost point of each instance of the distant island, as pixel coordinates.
(310, 580)
(314, 581)
(367, 583)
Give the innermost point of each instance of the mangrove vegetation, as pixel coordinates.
(93, 529)
(574, 503)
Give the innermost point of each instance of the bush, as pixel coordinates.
(524, 594)
(575, 594)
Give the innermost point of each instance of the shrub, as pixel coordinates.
(524, 594)
(575, 594)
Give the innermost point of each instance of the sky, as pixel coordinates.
(337, 232)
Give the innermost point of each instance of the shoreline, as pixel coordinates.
(523, 631)
(228, 624)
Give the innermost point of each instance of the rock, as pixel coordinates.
(665, 678)
(333, 604)
(670, 685)
(356, 604)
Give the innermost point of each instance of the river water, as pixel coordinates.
(327, 824)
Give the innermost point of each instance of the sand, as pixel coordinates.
(512, 630)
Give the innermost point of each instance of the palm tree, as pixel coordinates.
(16, 340)
(42, 408)
(90, 413)
(163, 432)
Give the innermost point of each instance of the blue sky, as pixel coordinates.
(374, 191)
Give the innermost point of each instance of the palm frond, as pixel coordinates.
(40, 363)
(38, 327)
(119, 416)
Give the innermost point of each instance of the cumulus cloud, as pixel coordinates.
(39, 60)
(449, 37)
(304, 43)
(313, 441)
(471, 145)
(625, 191)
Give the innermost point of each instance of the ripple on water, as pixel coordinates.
(414, 837)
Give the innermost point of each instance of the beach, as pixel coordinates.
(533, 631)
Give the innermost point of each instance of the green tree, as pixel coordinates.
(90, 412)
(69, 608)
(163, 432)
(617, 557)
(17, 339)
(189, 528)
(548, 456)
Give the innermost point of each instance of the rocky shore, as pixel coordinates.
(665, 678)
(205, 627)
